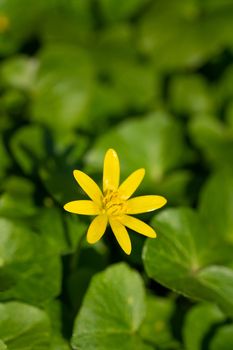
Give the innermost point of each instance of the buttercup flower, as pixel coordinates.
(114, 205)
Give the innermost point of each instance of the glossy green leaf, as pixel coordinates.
(16, 252)
(198, 323)
(187, 259)
(155, 152)
(225, 89)
(17, 190)
(215, 279)
(178, 37)
(92, 260)
(190, 94)
(216, 205)
(13, 102)
(110, 316)
(74, 23)
(179, 249)
(19, 72)
(63, 88)
(139, 87)
(158, 131)
(30, 270)
(5, 159)
(223, 339)
(56, 172)
(21, 18)
(156, 328)
(113, 12)
(214, 139)
(54, 310)
(58, 343)
(24, 327)
(30, 146)
(229, 115)
(61, 232)
(3, 345)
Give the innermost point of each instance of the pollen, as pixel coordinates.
(113, 204)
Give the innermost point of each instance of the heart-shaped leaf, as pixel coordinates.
(184, 258)
(198, 323)
(112, 312)
(223, 339)
(24, 327)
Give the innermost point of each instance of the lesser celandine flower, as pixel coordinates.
(113, 205)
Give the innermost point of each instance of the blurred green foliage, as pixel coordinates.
(154, 80)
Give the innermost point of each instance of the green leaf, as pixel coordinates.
(177, 37)
(223, 339)
(198, 323)
(158, 132)
(229, 114)
(13, 103)
(17, 190)
(155, 152)
(58, 169)
(138, 88)
(5, 159)
(214, 139)
(58, 343)
(30, 271)
(112, 312)
(219, 281)
(56, 172)
(54, 311)
(216, 206)
(113, 12)
(156, 328)
(63, 88)
(61, 232)
(30, 147)
(3, 345)
(19, 72)
(225, 88)
(190, 94)
(16, 251)
(92, 260)
(24, 327)
(41, 281)
(178, 252)
(74, 24)
(185, 258)
(23, 19)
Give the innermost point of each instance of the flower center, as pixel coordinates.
(113, 204)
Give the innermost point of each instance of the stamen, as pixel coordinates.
(113, 204)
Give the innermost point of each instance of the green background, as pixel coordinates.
(152, 79)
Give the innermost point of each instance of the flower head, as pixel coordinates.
(113, 205)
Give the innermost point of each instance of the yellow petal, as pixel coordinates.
(137, 225)
(111, 173)
(129, 186)
(144, 204)
(82, 207)
(88, 185)
(97, 228)
(121, 235)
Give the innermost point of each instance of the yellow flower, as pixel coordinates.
(113, 205)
